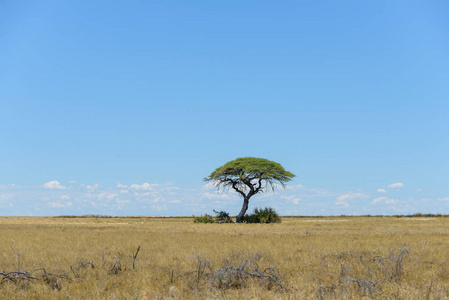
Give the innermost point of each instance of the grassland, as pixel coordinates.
(301, 258)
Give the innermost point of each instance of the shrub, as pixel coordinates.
(222, 217)
(265, 215)
(237, 272)
(204, 219)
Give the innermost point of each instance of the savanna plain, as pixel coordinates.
(300, 258)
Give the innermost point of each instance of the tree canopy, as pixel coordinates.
(249, 176)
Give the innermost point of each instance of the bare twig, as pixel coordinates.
(116, 267)
(236, 275)
(429, 290)
(73, 271)
(171, 275)
(135, 256)
(18, 255)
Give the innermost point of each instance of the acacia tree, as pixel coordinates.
(249, 176)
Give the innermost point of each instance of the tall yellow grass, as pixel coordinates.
(316, 258)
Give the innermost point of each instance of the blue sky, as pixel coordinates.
(124, 107)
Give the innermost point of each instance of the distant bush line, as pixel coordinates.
(417, 215)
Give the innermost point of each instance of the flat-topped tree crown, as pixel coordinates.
(249, 176)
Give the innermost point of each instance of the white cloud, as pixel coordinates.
(342, 203)
(381, 190)
(118, 201)
(396, 185)
(385, 200)
(54, 185)
(351, 196)
(293, 198)
(296, 201)
(158, 199)
(444, 199)
(160, 207)
(208, 186)
(106, 195)
(56, 205)
(146, 198)
(6, 196)
(145, 186)
(294, 187)
(142, 194)
(171, 188)
(92, 187)
(216, 196)
(380, 199)
(419, 190)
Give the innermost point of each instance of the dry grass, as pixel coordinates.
(303, 258)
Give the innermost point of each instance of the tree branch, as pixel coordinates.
(249, 184)
(234, 186)
(259, 187)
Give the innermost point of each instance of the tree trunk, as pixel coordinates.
(239, 218)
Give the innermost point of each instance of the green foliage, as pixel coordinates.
(240, 172)
(222, 217)
(204, 219)
(265, 215)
